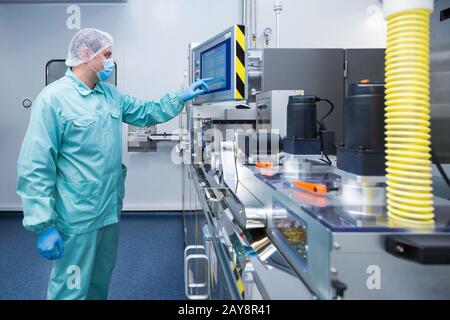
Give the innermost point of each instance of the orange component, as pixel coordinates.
(365, 81)
(263, 164)
(310, 198)
(312, 187)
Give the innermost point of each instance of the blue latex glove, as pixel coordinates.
(50, 244)
(197, 88)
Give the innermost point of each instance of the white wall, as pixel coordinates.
(322, 24)
(151, 39)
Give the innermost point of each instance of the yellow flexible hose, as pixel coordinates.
(408, 159)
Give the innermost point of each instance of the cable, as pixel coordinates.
(321, 123)
(328, 159)
(439, 167)
(326, 162)
(322, 127)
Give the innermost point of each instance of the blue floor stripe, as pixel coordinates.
(149, 261)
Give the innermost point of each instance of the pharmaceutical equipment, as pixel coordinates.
(223, 59)
(277, 225)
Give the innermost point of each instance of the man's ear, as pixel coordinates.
(85, 54)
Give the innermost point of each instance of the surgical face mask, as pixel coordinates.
(108, 69)
(106, 72)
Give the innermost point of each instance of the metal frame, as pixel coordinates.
(229, 33)
(187, 284)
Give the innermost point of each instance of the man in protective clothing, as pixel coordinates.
(70, 172)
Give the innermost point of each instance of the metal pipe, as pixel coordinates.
(244, 12)
(278, 30)
(250, 25)
(254, 26)
(277, 7)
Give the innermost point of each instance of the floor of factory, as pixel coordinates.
(149, 259)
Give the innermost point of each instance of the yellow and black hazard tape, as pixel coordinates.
(240, 62)
(238, 279)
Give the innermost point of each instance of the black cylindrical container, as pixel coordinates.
(301, 122)
(364, 117)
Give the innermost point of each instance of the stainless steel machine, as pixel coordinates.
(292, 226)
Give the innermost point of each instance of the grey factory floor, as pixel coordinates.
(149, 261)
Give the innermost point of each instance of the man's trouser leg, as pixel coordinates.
(84, 271)
(104, 263)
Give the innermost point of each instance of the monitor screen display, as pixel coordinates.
(215, 64)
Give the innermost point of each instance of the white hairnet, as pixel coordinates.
(93, 39)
